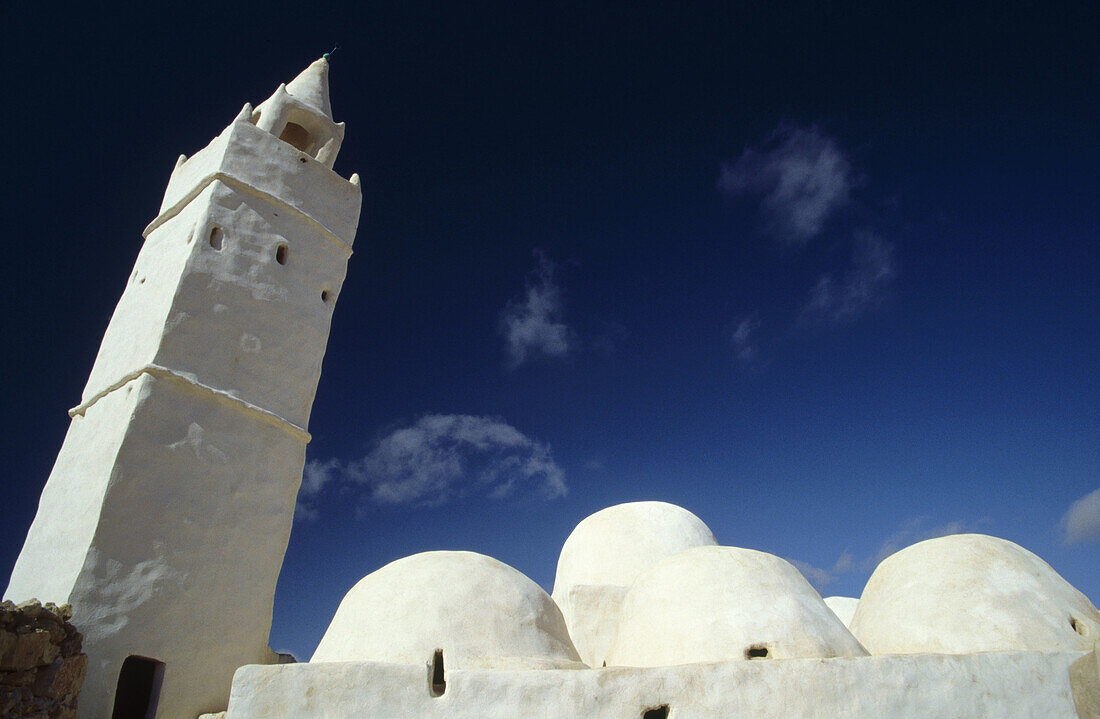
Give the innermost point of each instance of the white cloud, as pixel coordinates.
(440, 458)
(864, 284)
(745, 348)
(532, 325)
(822, 578)
(1081, 522)
(913, 531)
(801, 176)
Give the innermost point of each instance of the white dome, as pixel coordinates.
(971, 593)
(480, 612)
(843, 607)
(615, 545)
(712, 604)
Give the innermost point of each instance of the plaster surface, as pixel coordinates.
(616, 544)
(478, 611)
(1012, 685)
(593, 618)
(167, 513)
(971, 593)
(713, 604)
(605, 553)
(843, 607)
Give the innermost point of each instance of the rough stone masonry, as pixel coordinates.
(41, 663)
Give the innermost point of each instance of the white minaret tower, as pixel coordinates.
(167, 514)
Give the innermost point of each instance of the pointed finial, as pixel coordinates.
(328, 55)
(311, 87)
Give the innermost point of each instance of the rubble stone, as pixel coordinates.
(41, 664)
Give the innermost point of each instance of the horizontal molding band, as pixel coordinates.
(192, 383)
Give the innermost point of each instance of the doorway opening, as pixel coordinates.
(138, 688)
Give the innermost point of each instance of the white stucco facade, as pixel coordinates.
(843, 607)
(603, 556)
(1009, 685)
(477, 612)
(715, 604)
(971, 593)
(167, 513)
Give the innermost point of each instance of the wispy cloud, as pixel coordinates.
(1081, 522)
(863, 286)
(438, 459)
(801, 177)
(743, 339)
(533, 326)
(915, 530)
(912, 531)
(822, 578)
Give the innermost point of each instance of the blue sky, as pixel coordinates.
(825, 275)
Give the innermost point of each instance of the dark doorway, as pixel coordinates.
(138, 688)
(660, 712)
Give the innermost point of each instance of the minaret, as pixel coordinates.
(167, 513)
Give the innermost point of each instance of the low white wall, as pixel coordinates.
(1006, 685)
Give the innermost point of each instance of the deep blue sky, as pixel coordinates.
(825, 274)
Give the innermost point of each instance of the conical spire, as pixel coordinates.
(311, 87)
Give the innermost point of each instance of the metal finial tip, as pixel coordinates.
(327, 55)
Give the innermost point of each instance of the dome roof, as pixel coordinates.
(971, 593)
(614, 545)
(480, 612)
(843, 607)
(712, 604)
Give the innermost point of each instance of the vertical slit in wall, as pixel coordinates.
(438, 680)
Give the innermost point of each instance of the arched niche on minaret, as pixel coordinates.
(300, 114)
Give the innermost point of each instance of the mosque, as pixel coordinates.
(198, 404)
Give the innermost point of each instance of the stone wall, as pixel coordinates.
(41, 665)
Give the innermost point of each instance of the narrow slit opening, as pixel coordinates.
(216, 237)
(660, 712)
(438, 679)
(280, 254)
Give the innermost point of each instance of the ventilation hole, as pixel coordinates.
(302, 159)
(216, 237)
(756, 651)
(280, 254)
(438, 682)
(660, 712)
(324, 296)
(1078, 627)
(141, 281)
(605, 662)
